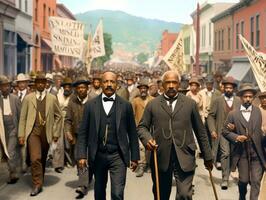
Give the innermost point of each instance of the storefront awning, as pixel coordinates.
(239, 70)
(47, 42)
(26, 38)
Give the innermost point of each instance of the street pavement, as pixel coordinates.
(62, 187)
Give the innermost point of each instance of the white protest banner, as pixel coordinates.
(97, 45)
(67, 36)
(175, 56)
(258, 63)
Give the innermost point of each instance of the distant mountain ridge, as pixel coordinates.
(132, 33)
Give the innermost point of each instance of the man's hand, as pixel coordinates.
(82, 163)
(21, 141)
(151, 145)
(69, 137)
(55, 139)
(241, 138)
(214, 135)
(230, 126)
(134, 165)
(208, 164)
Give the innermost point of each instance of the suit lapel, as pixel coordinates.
(98, 105)
(47, 105)
(164, 106)
(179, 104)
(118, 108)
(34, 101)
(1, 104)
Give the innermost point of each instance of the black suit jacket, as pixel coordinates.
(174, 128)
(87, 138)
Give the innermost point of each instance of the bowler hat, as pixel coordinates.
(81, 80)
(194, 80)
(40, 76)
(66, 81)
(4, 80)
(143, 82)
(246, 87)
(22, 77)
(229, 80)
(209, 79)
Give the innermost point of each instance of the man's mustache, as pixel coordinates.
(171, 90)
(109, 88)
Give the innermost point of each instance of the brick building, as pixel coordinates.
(248, 18)
(43, 57)
(167, 41)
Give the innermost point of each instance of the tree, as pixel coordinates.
(142, 57)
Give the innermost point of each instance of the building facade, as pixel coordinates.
(167, 41)
(8, 37)
(43, 57)
(24, 35)
(207, 12)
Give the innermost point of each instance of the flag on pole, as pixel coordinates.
(97, 46)
(67, 36)
(175, 56)
(257, 61)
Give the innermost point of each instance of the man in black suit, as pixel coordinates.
(172, 116)
(107, 138)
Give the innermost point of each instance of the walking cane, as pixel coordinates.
(156, 174)
(213, 186)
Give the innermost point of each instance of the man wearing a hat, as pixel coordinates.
(139, 103)
(219, 109)
(208, 94)
(22, 85)
(74, 113)
(193, 93)
(96, 84)
(10, 106)
(40, 124)
(248, 155)
(63, 99)
(49, 84)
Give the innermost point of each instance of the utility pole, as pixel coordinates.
(197, 67)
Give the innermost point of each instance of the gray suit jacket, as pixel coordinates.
(15, 106)
(174, 128)
(218, 114)
(254, 126)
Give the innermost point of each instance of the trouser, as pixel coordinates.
(183, 180)
(38, 150)
(59, 153)
(109, 162)
(12, 146)
(249, 173)
(221, 147)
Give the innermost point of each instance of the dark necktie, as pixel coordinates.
(40, 97)
(105, 99)
(20, 96)
(170, 100)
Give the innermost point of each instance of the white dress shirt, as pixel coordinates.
(38, 94)
(23, 92)
(246, 112)
(229, 101)
(107, 105)
(6, 106)
(173, 103)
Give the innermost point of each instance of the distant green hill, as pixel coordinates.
(135, 34)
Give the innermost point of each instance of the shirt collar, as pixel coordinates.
(83, 101)
(249, 109)
(229, 99)
(38, 93)
(23, 91)
(169, 97)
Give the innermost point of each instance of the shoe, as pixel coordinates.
(140, 172)
(224, 185)
(59, 170)
(12, 181)
(82, 190)
(218, 166)
(80, 196)
(35, 191)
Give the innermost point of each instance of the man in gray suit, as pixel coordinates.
(219, 110)
(172, 117)
(10, 105)
(243, 129)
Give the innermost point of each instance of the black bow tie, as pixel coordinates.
(171, 100)
(108, 99)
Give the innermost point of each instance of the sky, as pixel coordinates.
(167, 10)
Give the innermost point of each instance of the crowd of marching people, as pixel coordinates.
(107, 121)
